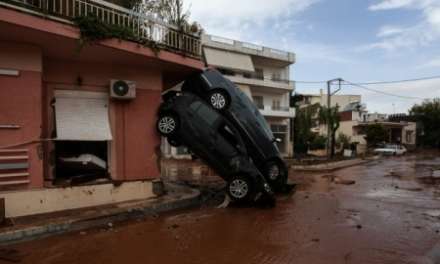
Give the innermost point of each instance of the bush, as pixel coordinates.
(319, 142)
(343, 141)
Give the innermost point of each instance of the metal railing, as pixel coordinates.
(262, 77)
(145, 28)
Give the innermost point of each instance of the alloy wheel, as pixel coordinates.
(274, 172)
(218, 100)
(167, 125)
(238, 189)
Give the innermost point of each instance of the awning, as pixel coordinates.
(228, 60)
(82, 116)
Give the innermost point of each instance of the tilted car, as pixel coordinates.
(238, 108)
(185, 119)
(391, 149)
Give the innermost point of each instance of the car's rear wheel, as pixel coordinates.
(219, 99)
(167, 124)
(240, 188)
(276, 173)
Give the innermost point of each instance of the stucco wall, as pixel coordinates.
(20, 103)
(135, 140)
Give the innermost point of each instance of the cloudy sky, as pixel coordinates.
(357, 40)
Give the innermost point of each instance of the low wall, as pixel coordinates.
(32, 202)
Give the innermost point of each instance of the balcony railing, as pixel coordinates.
(262, 77)
(145, 28)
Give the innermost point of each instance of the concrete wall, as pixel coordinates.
(52, 200)
(20, 103)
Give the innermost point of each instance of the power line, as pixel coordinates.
(379, 82)
(402, 81)
(384, 93)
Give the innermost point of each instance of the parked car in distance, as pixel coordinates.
(391, 149)
(185, 119)
(238, 108)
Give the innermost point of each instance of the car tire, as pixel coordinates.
(219, 99)
(167, 124)
(240, 189)
(276, 173)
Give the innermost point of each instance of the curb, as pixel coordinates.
(329, 167)
(140, 210)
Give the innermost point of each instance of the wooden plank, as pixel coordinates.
(13, 175)
(14, 166)
(6, 183)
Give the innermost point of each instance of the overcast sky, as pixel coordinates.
(358, 40)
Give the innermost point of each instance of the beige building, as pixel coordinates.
(354, 118)
(263, 74)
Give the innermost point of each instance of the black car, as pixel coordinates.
(185, 119)
(237, 107)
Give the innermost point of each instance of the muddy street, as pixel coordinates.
(391, 214)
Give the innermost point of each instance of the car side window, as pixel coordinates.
(207, 114)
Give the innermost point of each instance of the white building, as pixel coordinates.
(263, 74)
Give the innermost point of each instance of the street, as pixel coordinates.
(389, 215)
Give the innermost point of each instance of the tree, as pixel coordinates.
(330, 117)
(427, 115)
(303, 124)
(376, 134)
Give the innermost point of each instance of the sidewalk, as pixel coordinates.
(35, 227)
(332, 166)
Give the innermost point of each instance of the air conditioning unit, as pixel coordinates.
(123, 90)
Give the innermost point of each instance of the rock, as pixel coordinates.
(110, 225)
(344, 182)
(359, 226)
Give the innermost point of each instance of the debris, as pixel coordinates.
(344, 182)
(83, 233)
(225, 203)
(316, 240)
(359, 226)
(110, 225)
(174, 226)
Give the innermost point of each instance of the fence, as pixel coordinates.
(145, 28)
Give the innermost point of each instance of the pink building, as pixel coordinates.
(56, 104)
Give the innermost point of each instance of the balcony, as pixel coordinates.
(285, 58)
(145, 28)
(255, 79)
(272, 111)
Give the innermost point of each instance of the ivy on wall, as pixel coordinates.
(94, 30)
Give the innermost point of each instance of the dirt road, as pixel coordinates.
(390, 215)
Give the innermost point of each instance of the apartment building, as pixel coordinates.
(260, 72)
(66, 113)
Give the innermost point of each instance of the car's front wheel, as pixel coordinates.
(240, 188)
(275, 173)
(167, 124)
(219, 99)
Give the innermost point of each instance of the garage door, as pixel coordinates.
(82, 116)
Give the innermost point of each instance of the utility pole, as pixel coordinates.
(329, 105)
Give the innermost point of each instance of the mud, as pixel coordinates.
(370, 221)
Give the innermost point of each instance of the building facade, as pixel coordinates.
(57, 105)
(260, 72)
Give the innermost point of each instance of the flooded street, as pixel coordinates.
(390, 215)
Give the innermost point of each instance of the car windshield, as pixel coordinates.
(389, 146)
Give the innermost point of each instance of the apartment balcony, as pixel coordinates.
(145, 28)
(283, 57)
(263, 81)
(272, 111)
